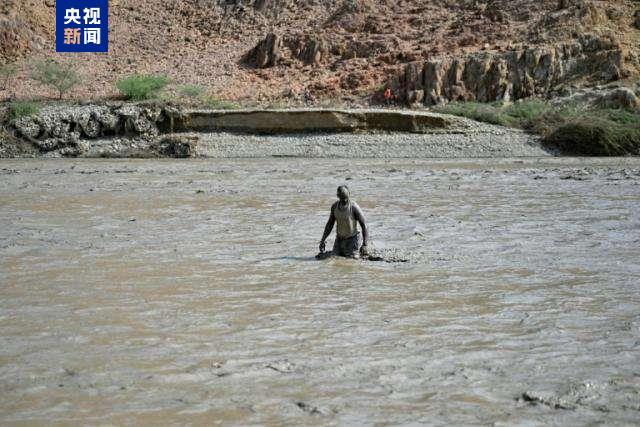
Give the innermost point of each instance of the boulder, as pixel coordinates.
(266, 53)
(620, 98)
(68, 144)
(140, 120)
(177, 146)
(313, 51)
(89, 125)
(606, 97)
(27, 127)
(273, 50)
(107, 119)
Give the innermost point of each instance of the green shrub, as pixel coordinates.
(488, 113)
(191, 91)
(61, 77)
(570, 128)
(19, 109)
(526, 111)
(141, 87)
(521, 114)
(591, 136)
(624, 117)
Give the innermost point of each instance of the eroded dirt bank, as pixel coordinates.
(152, 130)
(164, 291)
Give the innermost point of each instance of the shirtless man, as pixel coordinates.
(346, 213)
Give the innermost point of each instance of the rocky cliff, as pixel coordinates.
(511, 75)
(344, 51)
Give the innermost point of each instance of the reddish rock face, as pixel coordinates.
(266, 53)
(234, 47)
(510, 75)
(14, 39)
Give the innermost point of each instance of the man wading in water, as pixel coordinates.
(346, 213)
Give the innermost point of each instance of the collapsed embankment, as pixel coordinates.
(155, 130)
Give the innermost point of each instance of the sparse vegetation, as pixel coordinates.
(56, 75)
(277, 104)
(7, 73)
(219, 104)
(19, 109)
(570, 128)
(519, 115)
(191, 91)
(167, 97)
(140, 87)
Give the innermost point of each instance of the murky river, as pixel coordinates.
(173, 292)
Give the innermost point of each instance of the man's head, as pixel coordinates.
(343, 193)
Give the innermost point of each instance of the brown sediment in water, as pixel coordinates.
(159, 291)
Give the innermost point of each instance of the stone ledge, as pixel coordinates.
(306, 121)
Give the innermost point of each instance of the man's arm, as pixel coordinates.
(357, 212)
(327, 230)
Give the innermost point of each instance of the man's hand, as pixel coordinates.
(322, 247)
(364, 251)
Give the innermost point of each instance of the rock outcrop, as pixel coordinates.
(316, 46)
(66, 128)
(606, 97)
(310, 50)
(267, 52)
(14, 38)
(510, 75)
(275, 49)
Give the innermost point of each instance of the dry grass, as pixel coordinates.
(572, 129)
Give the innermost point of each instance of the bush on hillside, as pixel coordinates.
(19, 109)
(58, 76)
(141, 87)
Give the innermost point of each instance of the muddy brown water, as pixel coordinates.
(172, 292)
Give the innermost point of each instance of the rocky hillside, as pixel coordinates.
(276, 51)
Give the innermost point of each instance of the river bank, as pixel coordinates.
(155, 130)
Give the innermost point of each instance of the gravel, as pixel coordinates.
(476, 140)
